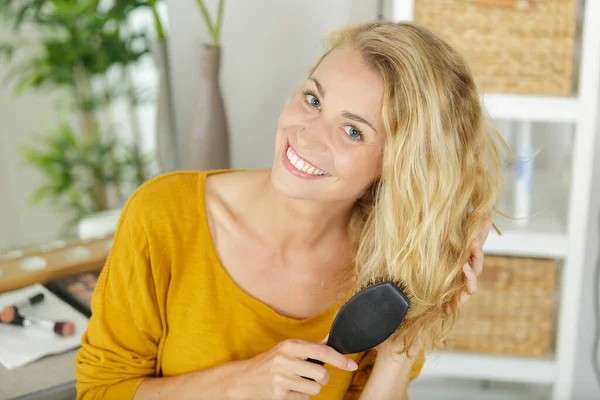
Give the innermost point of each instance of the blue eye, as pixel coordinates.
(353, 133)
(312, 100)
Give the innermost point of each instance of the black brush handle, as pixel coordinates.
(312, 360)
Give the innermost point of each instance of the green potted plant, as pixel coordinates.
(80, 43)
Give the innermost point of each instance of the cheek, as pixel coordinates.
(285, 121)
(360, 165)
(292, 114)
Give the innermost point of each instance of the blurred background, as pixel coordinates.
(97, 97)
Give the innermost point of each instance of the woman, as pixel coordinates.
(220, 285)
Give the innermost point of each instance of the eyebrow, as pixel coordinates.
(349, 115)
(345, 114)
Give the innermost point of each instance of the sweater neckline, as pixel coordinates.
(256, 304)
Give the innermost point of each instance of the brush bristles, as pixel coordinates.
(401, 284)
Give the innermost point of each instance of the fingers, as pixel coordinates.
(487, 224)
(304, 350)
(471, 279)
(482, 236)
(477, 255)
(303, 386)
(470, 285)
(310, 370)
(297, 396)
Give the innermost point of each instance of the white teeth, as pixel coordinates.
(302, 165)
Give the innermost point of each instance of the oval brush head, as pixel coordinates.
(370, 317)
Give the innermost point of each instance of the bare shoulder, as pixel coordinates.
(227, 195)
(232, 188)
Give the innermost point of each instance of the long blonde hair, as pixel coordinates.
(440, 178)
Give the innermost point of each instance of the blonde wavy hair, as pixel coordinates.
(440, 177)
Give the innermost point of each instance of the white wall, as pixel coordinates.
(23, 223)
(268, 46)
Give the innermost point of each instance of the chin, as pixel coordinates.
(293, 187)
(294, 183)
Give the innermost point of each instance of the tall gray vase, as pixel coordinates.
(166, 136)
(207, 145)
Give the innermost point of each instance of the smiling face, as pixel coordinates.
(330, 135)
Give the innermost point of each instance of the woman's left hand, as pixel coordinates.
(392, 375)
(473, 268)
(471, 271)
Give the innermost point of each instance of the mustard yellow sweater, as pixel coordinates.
(164, 305)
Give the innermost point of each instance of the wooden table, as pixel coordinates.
(49, 378)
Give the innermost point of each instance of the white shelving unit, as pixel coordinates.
(491, 368)
(546, 236)
(454, 389)
(532, 108)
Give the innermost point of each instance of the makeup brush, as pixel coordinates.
(369, 318)
(8, 313)
(61, 328)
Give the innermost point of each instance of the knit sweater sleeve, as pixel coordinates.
(120, 345)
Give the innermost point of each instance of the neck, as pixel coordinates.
(298, 224)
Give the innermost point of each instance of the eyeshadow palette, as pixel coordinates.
(76, 290)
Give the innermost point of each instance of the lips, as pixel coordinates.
(303, 165)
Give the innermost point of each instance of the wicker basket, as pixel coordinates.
(513, 309)
(512, 46)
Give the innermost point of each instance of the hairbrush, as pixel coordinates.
(369, 318)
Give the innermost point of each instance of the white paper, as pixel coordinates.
(22, 345)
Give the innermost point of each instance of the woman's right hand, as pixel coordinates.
(281, 372)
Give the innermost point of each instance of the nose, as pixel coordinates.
(314, 137)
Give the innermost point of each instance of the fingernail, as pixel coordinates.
(352, 366)
(468, 266)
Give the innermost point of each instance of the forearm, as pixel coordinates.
(207, 384)
(389, 378)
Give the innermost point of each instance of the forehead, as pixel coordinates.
(350, 83)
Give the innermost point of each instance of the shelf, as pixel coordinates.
(490, 367)
(543, 234)
(531, 108)
(542, 237)
(461, 389)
